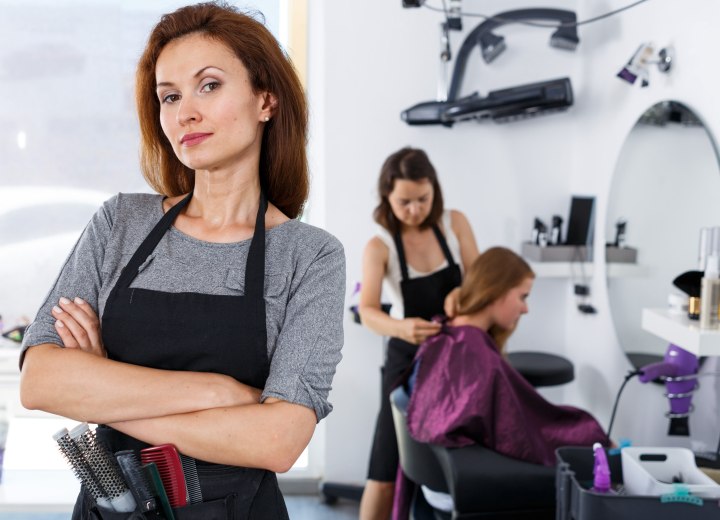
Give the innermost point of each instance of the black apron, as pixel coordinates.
(202, 333)
(423, 297)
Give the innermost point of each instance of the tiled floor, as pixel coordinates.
(300, 507)
(34, 516)
(311, 508)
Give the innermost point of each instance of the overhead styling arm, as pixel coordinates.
(507, 104)
(491, 45)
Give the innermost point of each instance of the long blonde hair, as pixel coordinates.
(489, 278)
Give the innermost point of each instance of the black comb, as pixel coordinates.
(136, 480)
(192, 482)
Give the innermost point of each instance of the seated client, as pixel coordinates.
(463, 391)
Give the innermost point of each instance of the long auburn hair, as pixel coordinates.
(489, 278)
(410, 164)
(283, 159)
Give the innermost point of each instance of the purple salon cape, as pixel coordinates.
(465, 392)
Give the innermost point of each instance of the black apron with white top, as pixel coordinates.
(423, 297)
(202, 333)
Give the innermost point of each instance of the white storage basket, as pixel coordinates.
(654, 471)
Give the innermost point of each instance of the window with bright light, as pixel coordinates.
(68, 141)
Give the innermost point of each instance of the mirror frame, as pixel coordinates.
(637, 359)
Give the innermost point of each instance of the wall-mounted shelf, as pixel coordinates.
(575, 269)
(561, 269)
(679, 330)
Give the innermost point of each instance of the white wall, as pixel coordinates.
(604, 128)
(370, 60)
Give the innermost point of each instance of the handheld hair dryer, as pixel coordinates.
(679, 372)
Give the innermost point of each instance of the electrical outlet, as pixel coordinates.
(582, 290)
(586, 308)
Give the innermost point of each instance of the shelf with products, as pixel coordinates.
(563, 261)
(679, 330)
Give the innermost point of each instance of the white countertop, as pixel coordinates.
(679, 330)
(31, 490)
(9, 356)
(38, 491)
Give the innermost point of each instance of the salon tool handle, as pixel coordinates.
(136, 480)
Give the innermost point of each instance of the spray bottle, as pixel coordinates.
(602, 482)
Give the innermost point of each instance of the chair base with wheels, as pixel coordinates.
(332, 491)
(540, 369)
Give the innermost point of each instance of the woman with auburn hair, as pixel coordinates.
(284, 175)
(206, 316)
(463, 391)
(418, 256)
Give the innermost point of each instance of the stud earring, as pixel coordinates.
(267, 118)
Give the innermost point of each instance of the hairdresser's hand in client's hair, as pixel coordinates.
(416, 330)
(452, 302)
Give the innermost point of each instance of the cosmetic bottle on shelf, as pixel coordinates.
(710, 294)
(690, 283)
(555, 230)
(539, 233)
(620, 230)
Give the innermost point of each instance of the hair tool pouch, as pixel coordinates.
(221, 509)
(97, 513)
(159, 483)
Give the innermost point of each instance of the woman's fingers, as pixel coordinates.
(70, 324)
(427, 327)
(85, 317)
(89, 320)
(423, 329)
(65, 335)
(79, 321)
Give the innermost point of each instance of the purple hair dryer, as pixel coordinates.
(679, 371)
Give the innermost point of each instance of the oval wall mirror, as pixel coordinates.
(666, 187)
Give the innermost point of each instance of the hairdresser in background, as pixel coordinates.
(419, 255)
(463, 391)
(205, 316)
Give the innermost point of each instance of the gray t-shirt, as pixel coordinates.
(304, 287)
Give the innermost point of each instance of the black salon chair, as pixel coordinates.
(482, 483)
(540, 369)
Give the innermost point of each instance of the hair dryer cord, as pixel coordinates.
(628, 377)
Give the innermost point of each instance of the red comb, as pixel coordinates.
(168, 464)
